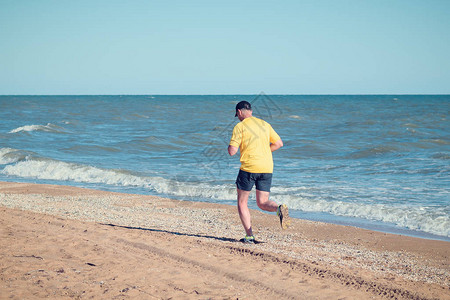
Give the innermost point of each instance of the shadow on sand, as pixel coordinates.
(223, 239)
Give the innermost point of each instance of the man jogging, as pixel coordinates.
(256, 141)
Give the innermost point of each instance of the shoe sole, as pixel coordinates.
(285, 221)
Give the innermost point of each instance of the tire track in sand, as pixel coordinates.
(234, 276)
(351, 281)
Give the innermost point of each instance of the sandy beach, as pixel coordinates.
(62, 242)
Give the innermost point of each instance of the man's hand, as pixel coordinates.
(232, 150)
(275, 146)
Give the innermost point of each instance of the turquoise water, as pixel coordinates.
(378, 162)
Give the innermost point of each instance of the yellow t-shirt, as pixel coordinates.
(253, 136)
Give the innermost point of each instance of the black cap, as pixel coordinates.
(243, 105)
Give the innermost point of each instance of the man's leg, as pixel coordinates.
(244, 212)
(262, 199)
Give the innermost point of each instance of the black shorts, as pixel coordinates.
(246, 180)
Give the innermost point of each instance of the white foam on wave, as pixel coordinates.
(5, 157)
(424, 219)
(414, 218)
(47, 128)
(10, 155)
(48, 169)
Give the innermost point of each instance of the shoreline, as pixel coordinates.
(311, 259)
(372, 225)
(320, 217)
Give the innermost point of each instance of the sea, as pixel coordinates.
(379, 162)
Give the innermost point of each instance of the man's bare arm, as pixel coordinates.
(277, 145)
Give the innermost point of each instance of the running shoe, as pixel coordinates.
(249, 239)
(283, 214)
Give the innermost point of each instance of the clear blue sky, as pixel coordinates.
(224, 47)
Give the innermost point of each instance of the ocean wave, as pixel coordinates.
(48, 169)
(444, 156)
(47, 128)
(19, 163)
(373, 151)
(139, 116)
(437, 141)
(91, 149)
(10, 155)
(421, 218)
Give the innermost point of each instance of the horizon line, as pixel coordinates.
(249, 94)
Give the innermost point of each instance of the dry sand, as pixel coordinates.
(62, 242)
